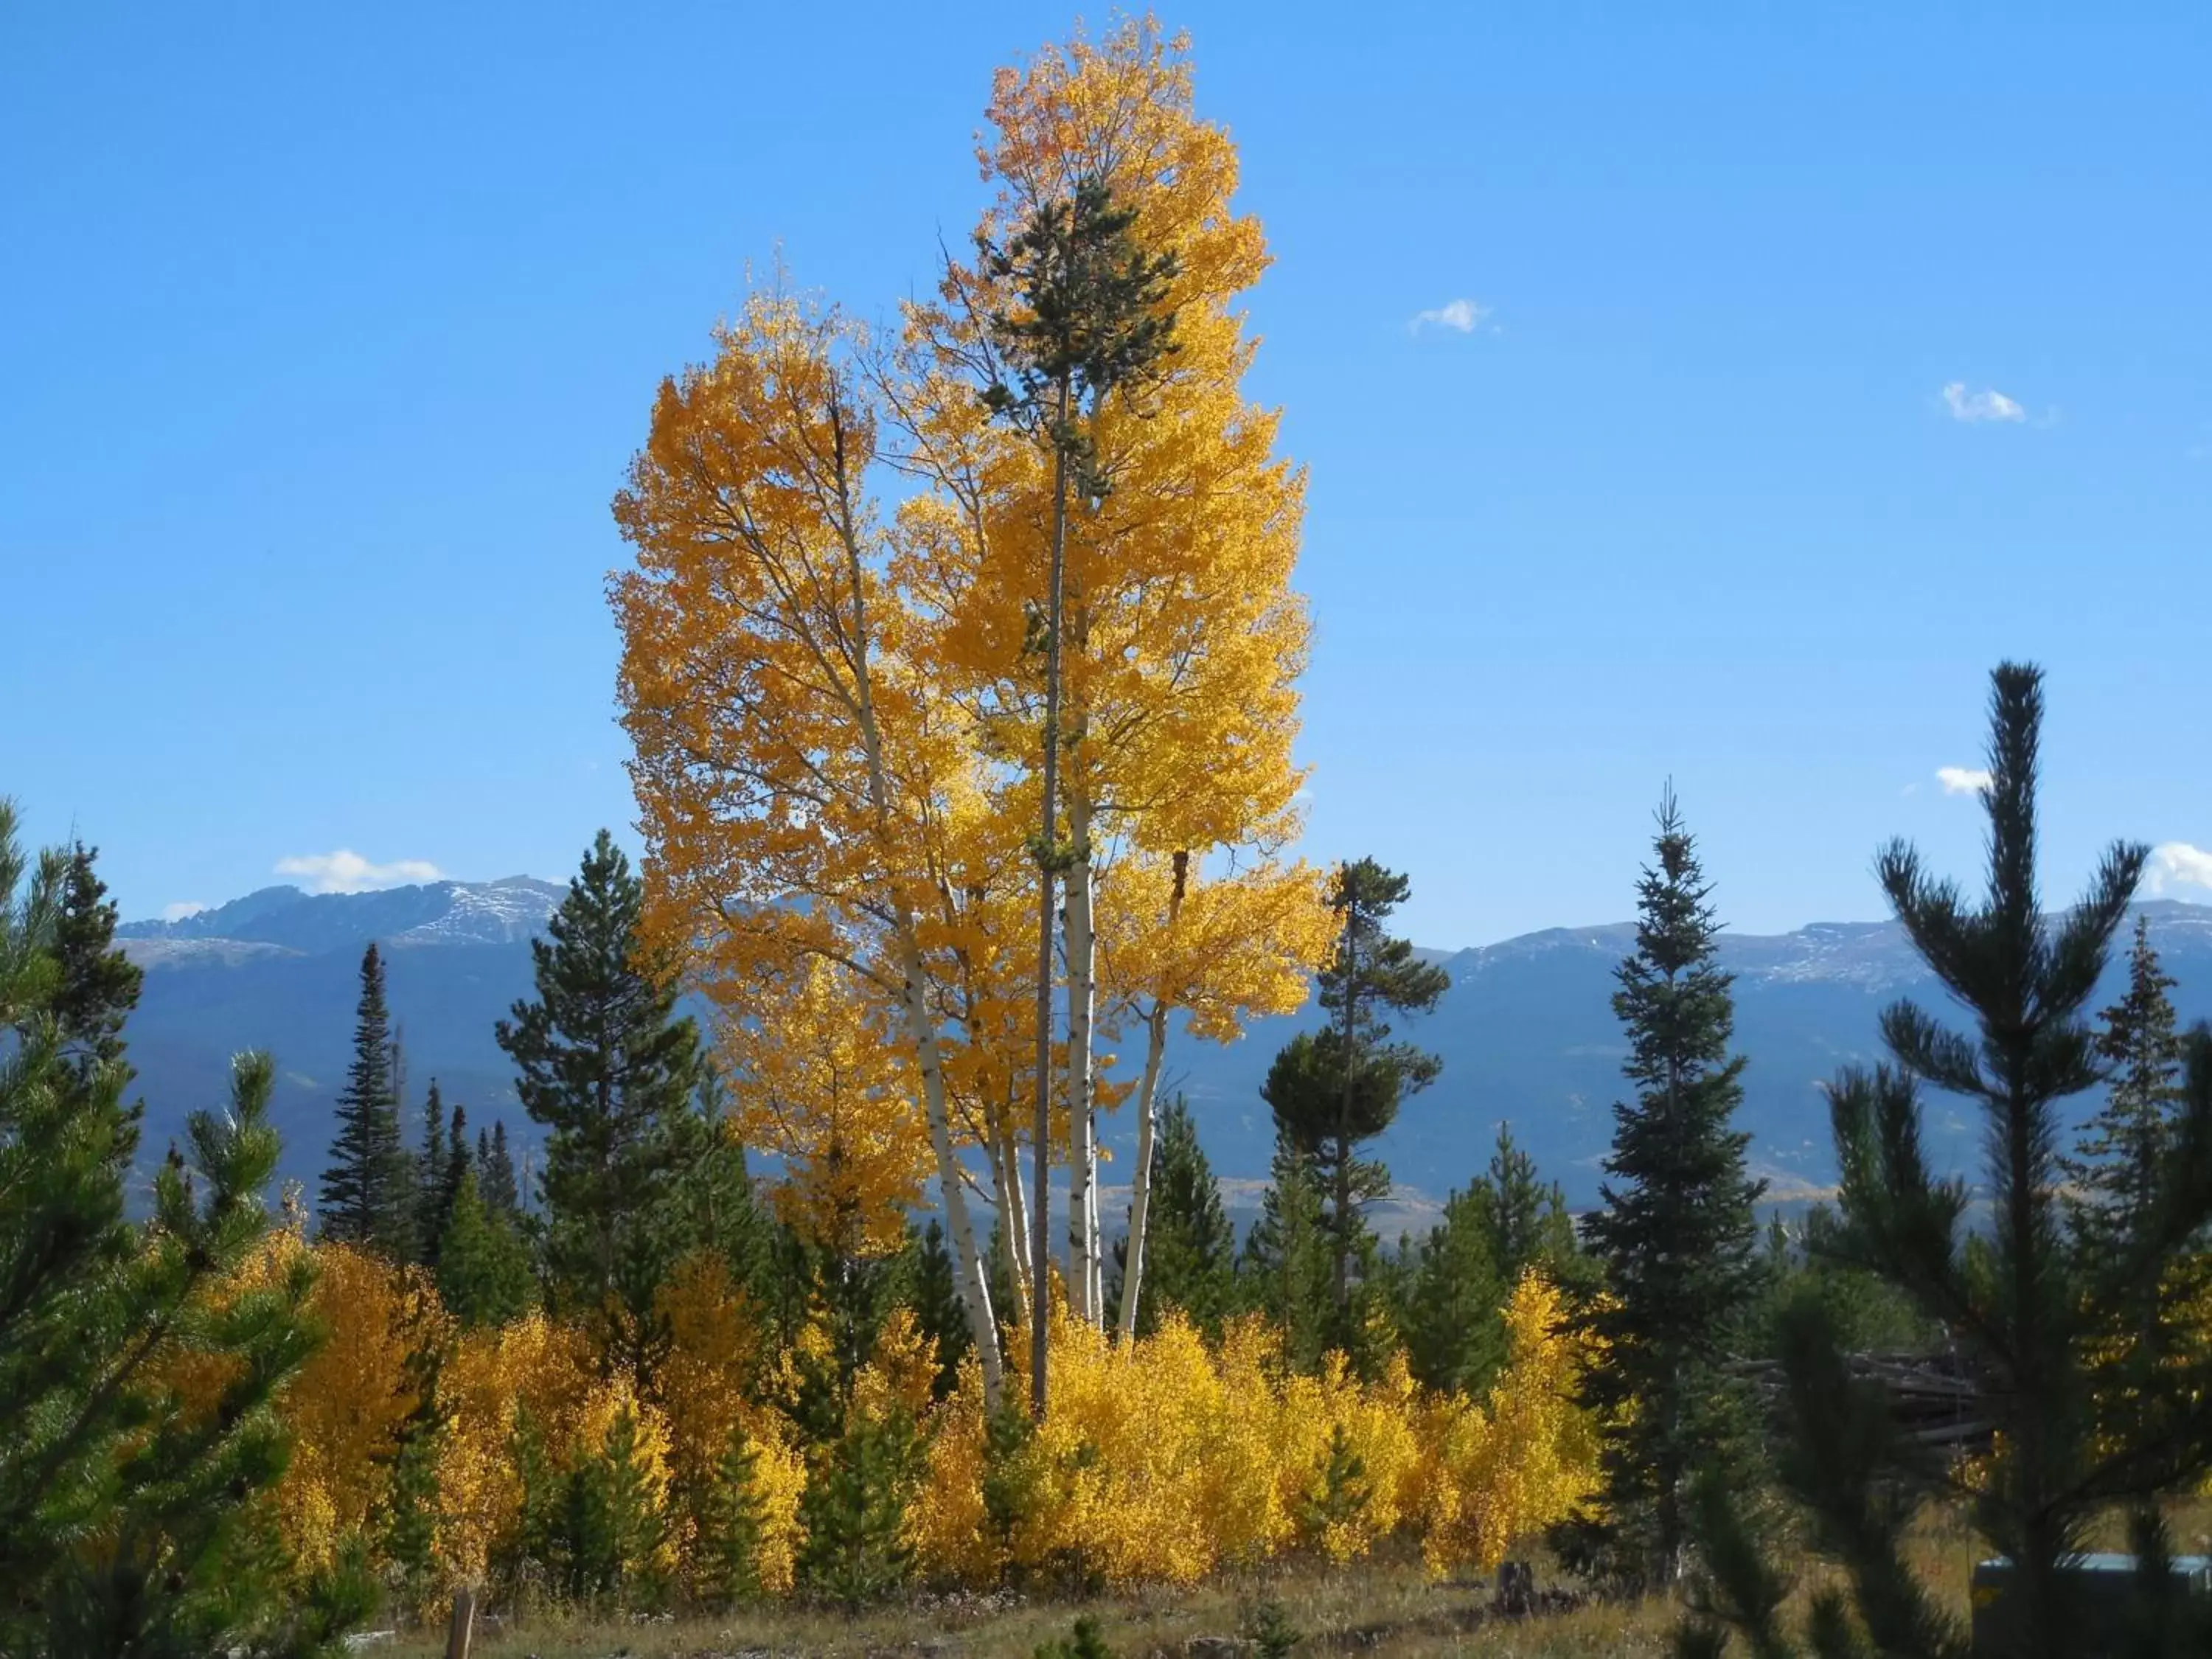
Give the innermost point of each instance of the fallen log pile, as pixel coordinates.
(1932, 1400)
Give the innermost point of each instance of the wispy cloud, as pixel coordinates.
(179, 911)
(1987, 404)
(1462, 316)
(344, 872)
(2177, 863)
(1962, 779)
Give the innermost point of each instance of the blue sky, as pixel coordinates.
(326, 333)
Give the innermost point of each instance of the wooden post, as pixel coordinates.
(464, 1626)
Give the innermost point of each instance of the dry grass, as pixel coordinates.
(1389, 1610)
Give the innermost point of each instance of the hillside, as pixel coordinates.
(1526, 1031)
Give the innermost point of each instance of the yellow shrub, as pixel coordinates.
(1494, 1474)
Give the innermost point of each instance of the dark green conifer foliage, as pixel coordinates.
(934, 1294)
(125, 1528)
(1088, 1641)
(99, 984)
(1013, 1478)
(483, 1269)
(2027, 1313)
(430, 1176)
(1454, 1296)
(730, 1529)
(2117, 1172)
(853, 1510)
(605, 1065)
(1283, 1270)
(1341, 1491)
(1676, 1230)
(615, 1550)
(1526, 1220)
(410, 1512)
(502, 1191)
(366, 1192)
(1335, 1090)
(1813, 1260)
(1190, 1243)
(1269, 1630)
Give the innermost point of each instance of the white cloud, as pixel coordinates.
(1462, 315)
(1987, 404)
(177, 912)
(2177, 863)
(342, 872)
(1962, 779)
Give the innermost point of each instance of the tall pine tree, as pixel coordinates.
(1454, 1296)
(1283, 1271)
(368, 1190)
(128, 1523)
(483, 1261)
(99, 984)
(495, 1164)
(2030, 1317)
(1335, 1090)
(2115, 1169)
(607, 1067)
(1526, 1217)
(1676, 1230)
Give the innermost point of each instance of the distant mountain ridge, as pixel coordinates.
(1526, 1031)
(503, 911)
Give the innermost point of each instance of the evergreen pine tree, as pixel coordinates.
(99, 984)
(430, 1195)
(730, 1522)
(605, 1065)
(365, 1198)
(714, 1207)
(484, 1262)
(853, 1510)
(1526, 1217)
(1341, 1491)
(2115, 1168)
(1087, 1643)
(1334, 1089)
(456, 1170)
(1456, 1295)
(502, 1191)
(410, 1512)
(1283, 1270)
(934, 1293)
(1190, 1246)
(2030, 1317)
(126, 1524)
(1677, 1233)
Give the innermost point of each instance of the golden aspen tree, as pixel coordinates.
(815, 1073)
(795, 767)
(1182, 637)
(1219, 953)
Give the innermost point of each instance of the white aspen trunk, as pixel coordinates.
(974, 1282)
(1083, 1275)
(1141, 1181)
(1013, 1214)
(914, 1001)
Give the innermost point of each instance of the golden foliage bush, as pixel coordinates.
(1166, 1459)
(1163, 1461)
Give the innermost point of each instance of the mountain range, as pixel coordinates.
(1526, 1032)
